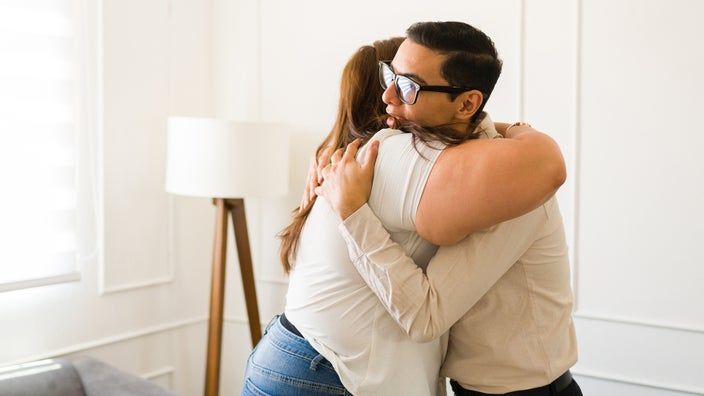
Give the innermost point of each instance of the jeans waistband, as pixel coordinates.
(552, 388)
(288, 325)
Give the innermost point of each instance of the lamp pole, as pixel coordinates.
(234, 206)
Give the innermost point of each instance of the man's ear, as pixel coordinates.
(470, 102)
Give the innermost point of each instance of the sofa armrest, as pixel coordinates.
(100, 379)
(51, 377)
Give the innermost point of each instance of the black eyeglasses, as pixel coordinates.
(407, 89)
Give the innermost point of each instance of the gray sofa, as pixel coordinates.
(82, 376)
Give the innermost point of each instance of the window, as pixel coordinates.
(42, 86)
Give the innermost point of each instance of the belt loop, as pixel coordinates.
(316, 361)
(271, 323)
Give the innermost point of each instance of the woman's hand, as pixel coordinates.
(347, 184)
(315, 176)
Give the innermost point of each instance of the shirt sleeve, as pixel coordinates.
(426, 305)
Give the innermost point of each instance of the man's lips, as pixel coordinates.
(394, 122)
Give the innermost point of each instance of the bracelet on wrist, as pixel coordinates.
(519, 123)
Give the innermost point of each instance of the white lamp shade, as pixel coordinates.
(226, 159)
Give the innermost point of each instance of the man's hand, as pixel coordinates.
(347, 184)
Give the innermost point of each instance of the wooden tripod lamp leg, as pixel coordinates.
(239, 222)
(217, 298)
(217, 286)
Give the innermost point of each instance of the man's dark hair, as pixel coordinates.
(471, 57)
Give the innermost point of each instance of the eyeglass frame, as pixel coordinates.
(432, 88)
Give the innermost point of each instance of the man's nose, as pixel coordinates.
(390, 97)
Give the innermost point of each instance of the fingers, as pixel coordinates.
(336, 156)
(351, 150)
(370, 156)
(323, 161)
(314, 176)
(312, 179)
(311, 183)
(320, 190)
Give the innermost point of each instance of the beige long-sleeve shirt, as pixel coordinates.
(504, 294)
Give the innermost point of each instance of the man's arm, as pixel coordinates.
(426, 305)
(472, 186)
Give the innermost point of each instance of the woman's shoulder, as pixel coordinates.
(385, 133)
(400, 145)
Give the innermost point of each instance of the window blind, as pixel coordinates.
(39, 96)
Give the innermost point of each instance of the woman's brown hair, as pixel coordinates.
(360, 114)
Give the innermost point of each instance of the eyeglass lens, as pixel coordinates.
(406, 89)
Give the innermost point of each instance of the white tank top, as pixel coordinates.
(332, 306)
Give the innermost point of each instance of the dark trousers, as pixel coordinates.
(565, 385)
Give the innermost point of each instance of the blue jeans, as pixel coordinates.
(284, 364)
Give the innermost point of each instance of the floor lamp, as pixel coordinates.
(227, 161)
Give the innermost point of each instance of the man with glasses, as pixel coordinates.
(502, 292)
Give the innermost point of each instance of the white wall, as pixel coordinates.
(616, 83)
(141, 302)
